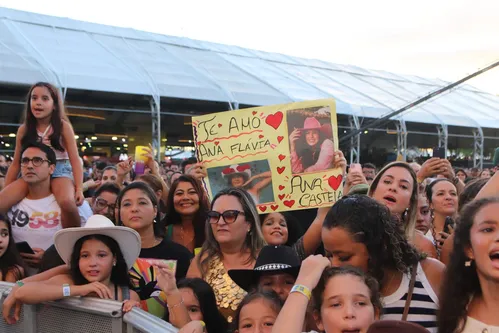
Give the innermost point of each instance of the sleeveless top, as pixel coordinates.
(125, 292)
(45, 139)
(475, 326)
(424, 303)
(228, 294)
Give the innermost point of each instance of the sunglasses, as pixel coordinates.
(229, 216)
(37, 161)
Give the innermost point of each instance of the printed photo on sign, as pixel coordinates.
(311, 139)
(255, 177)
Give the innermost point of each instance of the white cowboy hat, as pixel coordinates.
(127, 239)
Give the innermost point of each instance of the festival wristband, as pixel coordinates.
(298, 288)
(66, 291)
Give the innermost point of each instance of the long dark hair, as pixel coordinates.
(310, 155)
(371, 223)
(460, 283)
(268, 295)
(159, 227)
(214, 320)
(199, 221)
(119, 273)
(58, 115)
(471, 191)
(11, 261)
(295, 231)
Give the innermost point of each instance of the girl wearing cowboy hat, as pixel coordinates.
(239, 176)
(317, 152)
(99, 256)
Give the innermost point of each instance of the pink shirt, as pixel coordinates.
(324, 162)
(45, 138)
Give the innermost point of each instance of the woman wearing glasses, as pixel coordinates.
(233, 241)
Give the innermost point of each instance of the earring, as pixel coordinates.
(114, 263)
(467, 263)
(154, 220)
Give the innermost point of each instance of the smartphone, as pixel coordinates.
(356, 167)
(439, 152)
(24, 247)
(448, 223)
(140, 161)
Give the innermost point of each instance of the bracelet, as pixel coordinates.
(66, 291)
(299, 288)
(174, 306)
(20, 283)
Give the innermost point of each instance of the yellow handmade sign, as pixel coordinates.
(283, 155)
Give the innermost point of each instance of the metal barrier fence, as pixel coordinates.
(85, 314)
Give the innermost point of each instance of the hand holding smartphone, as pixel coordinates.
(140, 160)
(356, 167)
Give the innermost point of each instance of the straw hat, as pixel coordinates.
(127, 239)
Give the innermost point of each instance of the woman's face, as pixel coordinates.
(485, 174)
(423, 218)
(191, 302)
(96, 261)
(137, 210)
(275, 229)
(42, 104)
(281, 283)
(4, 237)
(484, 237)
(186, 199)
(109, 176)
(347, 306)
(444, 198)
(312, 137)
(257, 316)
(237, 181)
(394, 190)
(343, 250)
(461, 175)
(232, 234)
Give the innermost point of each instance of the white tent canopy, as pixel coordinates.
(81, 55)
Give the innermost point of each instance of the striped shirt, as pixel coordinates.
(424, 303)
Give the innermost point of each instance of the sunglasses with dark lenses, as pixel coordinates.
(37, 161)
(229, 216)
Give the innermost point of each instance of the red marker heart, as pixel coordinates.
(263, 208)
(260, 136)
(217, 143)
(274, 120)
(280, 169)
(335, 181)
(280, 138)
(289, 203)
(274, 207)
(281, 157)
(219, 125)
(281, 196)
(254, 112)
(281, 187)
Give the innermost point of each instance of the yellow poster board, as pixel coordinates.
(283, 155)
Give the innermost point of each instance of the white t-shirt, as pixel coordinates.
(36, 221)
(85, 212)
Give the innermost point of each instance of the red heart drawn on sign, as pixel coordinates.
(335, 181)
(280, 169)
(289, 203)
(217, 143)
(260, 136)
(281, 187)
(281, 157)
(219, 125)
(263, 208)
(274, 120)
(280, 138)
(281, 196)
(274, 207)
(254, 112)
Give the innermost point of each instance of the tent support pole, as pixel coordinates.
(156, 127)
(478, 148)
(443, 135)
(402, 139)
(354, 140)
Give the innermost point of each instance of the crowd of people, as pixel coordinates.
(409, 247)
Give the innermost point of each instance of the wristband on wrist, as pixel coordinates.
(66, 291)
(175, 305)
(299, 288)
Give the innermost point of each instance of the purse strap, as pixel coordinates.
(410, 292)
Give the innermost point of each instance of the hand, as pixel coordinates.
(429, 168)
(447, 170)
(151, 162)
(92, 184)
(340, 161)
(79, 197)
(195, 326)
(129, 304)
(293, 137)
(8, 304)
(125, 167)
(197, 171)
(33, 260)
(166, 279)
(311, 270)
(97, 288)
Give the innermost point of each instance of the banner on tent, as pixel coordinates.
(283, 155)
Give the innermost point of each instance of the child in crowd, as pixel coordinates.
(11, 265)
(46, 122)
(257, 312)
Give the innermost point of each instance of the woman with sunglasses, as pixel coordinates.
(233, 241)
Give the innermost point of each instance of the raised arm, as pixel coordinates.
(15, 167)
(68, 138)
(312, 237)
(491, 189)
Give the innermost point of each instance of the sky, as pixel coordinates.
(445, 39)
